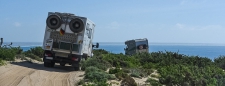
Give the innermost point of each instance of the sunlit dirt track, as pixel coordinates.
(35, 74)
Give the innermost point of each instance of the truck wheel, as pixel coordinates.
(76, 68)
(46, 64)
(52, 64)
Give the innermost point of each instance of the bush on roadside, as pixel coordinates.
(128, 81)
(7, 54)
(153, 82)
(99, 63)
(114, 70)
(220, 62)
(38, 51)
(94, 74)
(2, 62)
(32, 56)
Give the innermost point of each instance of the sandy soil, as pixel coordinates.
(24, 73)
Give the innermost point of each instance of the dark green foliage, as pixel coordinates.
(98, 52)
(38, 51)
(128, 81)
(17, 50)
(35, 53)
(8, 53)
(137, 72)
(21, 56)
(2, 62)
(81, 82)
(121, 75)
(99, 63)
(100, 83)
(96, 75)
(153, 82)
(121, 60)
(220, 62)
(174, 68)
(31, 55)
(114, 70)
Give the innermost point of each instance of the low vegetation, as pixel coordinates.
(11, 53)
(173, 69)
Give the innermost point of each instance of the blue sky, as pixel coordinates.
(163, 21)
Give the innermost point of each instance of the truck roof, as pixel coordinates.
(136, 40)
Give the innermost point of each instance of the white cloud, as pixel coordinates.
(17, 24)
(113, 25)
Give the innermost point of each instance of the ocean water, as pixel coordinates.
(203, 50)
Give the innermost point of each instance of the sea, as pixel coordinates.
(191, 49)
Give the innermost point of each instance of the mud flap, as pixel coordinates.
(76, 66)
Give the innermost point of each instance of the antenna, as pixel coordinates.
(1, 42)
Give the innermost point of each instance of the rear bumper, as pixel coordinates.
(66, 60)
(63, 59)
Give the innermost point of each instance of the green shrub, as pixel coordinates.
(121, 60)
(2, 62)
(173, 68)
(121, 75)
(155, 76)
(137, 72)
(38, 51)
(7, 54)
(101, 83)
(153, 82)
(114, 70)
(81, 82)
(32, 56)
(128, 81)
(220, 62)
(98, 52)
(20, 56)
(125, 70)
(99, 63)
(93, 74)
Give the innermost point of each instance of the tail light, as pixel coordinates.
(48, 54)
(74, 59)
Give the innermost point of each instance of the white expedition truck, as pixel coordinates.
(136, 46)
(67, 39)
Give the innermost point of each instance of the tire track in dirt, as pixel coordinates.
(37, 75)
(13, 77)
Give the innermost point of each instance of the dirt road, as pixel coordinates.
(35, 74)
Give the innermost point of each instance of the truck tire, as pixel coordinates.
(54, 22)
(76, 25)
(46, 64)
(76, 68)
(52, 64)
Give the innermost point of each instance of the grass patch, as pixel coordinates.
(32, 56)
(153, 82)
(2, 62)
(99, 63)
(94, 74)
(128, 81)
